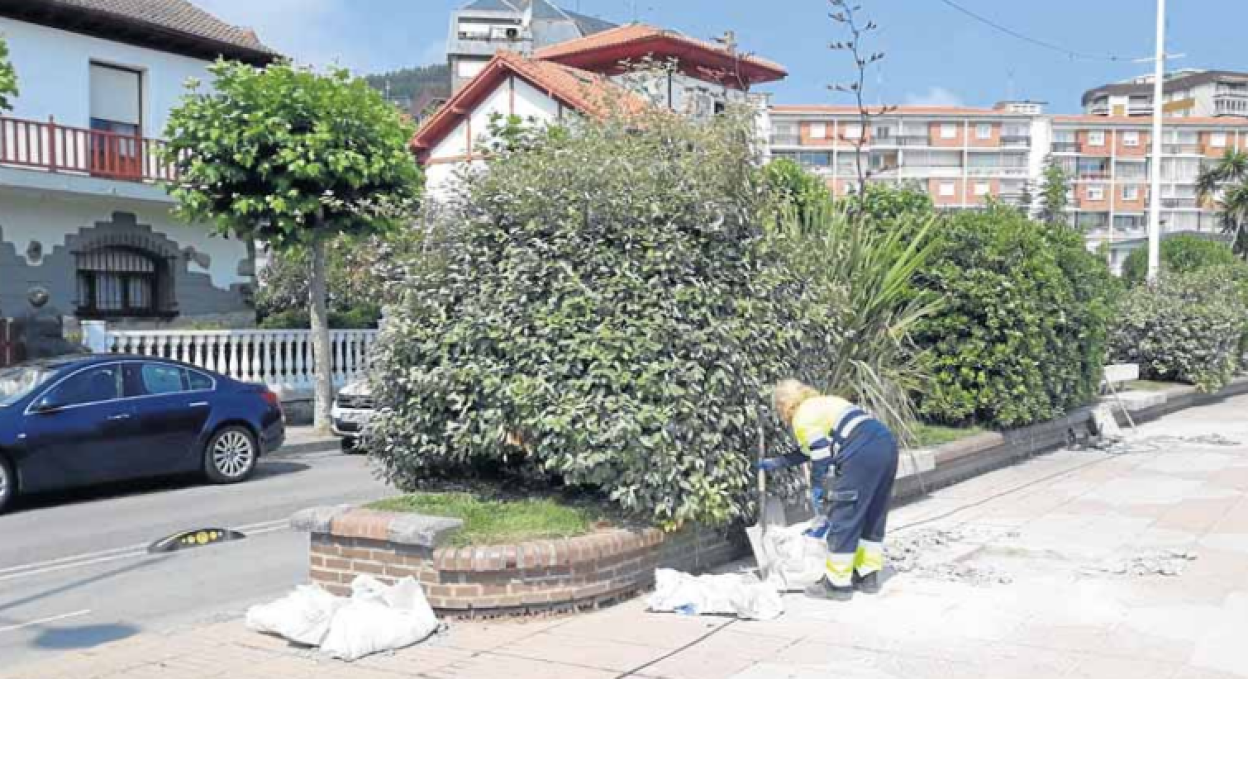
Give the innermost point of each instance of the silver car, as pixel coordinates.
(353, 409)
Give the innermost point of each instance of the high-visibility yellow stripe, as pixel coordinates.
(869, 558)
(840, 569)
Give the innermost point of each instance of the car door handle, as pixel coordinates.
(119, 417)
(198, 403)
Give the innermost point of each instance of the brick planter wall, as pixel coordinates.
(488, 581)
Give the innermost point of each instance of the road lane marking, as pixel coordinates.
(118, 554)
(45, 622)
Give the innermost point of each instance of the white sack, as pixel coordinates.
(787, 557)
(740, 595)
(302, 617)
(379, 618)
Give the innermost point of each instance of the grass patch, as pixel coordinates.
(935, 435)
(493, 516)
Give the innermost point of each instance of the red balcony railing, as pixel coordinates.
(66, 150)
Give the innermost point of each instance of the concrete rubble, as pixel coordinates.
(921, 554)
(1167, 563)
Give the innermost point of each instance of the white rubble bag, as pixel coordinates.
(742, 595)
(302, 617)
(377, 618)
(787, 558)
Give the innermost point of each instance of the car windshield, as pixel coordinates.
(17, 382)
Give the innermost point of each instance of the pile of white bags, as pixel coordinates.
(742, 595)
(377, 618)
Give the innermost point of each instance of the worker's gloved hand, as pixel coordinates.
(772, 464)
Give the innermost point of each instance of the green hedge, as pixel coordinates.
(1022, 336)
(1187, 328)
(598, 309)
(1179, 254)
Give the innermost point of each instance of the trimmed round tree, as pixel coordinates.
(598, 308)
(292, 158)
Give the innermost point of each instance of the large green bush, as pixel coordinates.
(1021, 337)
(599, 308)
(1187, 328)
(1179, 254)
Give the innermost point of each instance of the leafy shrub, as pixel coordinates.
(363, 317)
(1179, 254)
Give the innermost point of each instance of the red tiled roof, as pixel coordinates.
(635, 40)
(586, 92)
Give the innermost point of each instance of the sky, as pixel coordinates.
(933, 53)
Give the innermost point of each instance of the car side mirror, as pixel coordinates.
(47, 405)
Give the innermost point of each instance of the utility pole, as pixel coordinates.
(1154, 210)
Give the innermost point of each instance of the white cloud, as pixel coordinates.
(934, 96)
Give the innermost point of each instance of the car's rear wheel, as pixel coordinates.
(231, 455)
(8, 485)
(350, 445)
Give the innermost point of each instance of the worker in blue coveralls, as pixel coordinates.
(834, 433)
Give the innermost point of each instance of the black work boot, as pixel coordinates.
(825, 590)
(869, 584)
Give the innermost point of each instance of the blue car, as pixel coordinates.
(93, 419)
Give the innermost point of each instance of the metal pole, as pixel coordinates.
(1154, 212)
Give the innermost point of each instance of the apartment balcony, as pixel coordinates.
(1179, 203)
(1016, 142)
(1008, 172)
(1072, 147)
(56, 149)
(912, 140)
(786, 139)
(1181, 149)
(1233, 105)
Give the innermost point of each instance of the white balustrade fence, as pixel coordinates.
(282, 360)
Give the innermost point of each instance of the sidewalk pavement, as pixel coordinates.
(304, 440)
(1029, 572)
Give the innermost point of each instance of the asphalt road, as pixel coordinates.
(74, 571)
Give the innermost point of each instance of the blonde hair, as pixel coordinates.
(789, 395)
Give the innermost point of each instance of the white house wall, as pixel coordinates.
(40, 231)
(447, 157)
(54, 74)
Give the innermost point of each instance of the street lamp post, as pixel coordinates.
(1154, 212)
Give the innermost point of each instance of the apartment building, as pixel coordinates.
(1108, 160)
(960, 156)
(1187, 93)
(484, 28)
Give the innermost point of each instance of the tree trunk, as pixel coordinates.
(320, 339)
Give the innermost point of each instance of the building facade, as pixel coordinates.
(1187, 94)
(1109, 160)
(83, 208)
(960, 156)
(484, 28)
(590, 76)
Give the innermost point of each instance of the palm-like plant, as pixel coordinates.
(865, 279)
(1227, 180)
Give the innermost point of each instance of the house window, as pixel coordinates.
(1217, 139)
(983, 131)
(1131, 192)
(1096, 193)
(1130, 138)
(948, 130)
(982, 189)
(853, 130)
(118, 282)
(946, 189)
(818, 130)
(116, 121)
(1096, 138)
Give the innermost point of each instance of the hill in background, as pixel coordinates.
(414, 89)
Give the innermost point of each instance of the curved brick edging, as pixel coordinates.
(537, 577)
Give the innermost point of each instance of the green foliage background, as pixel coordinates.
(8, 78)
(1179, 254)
